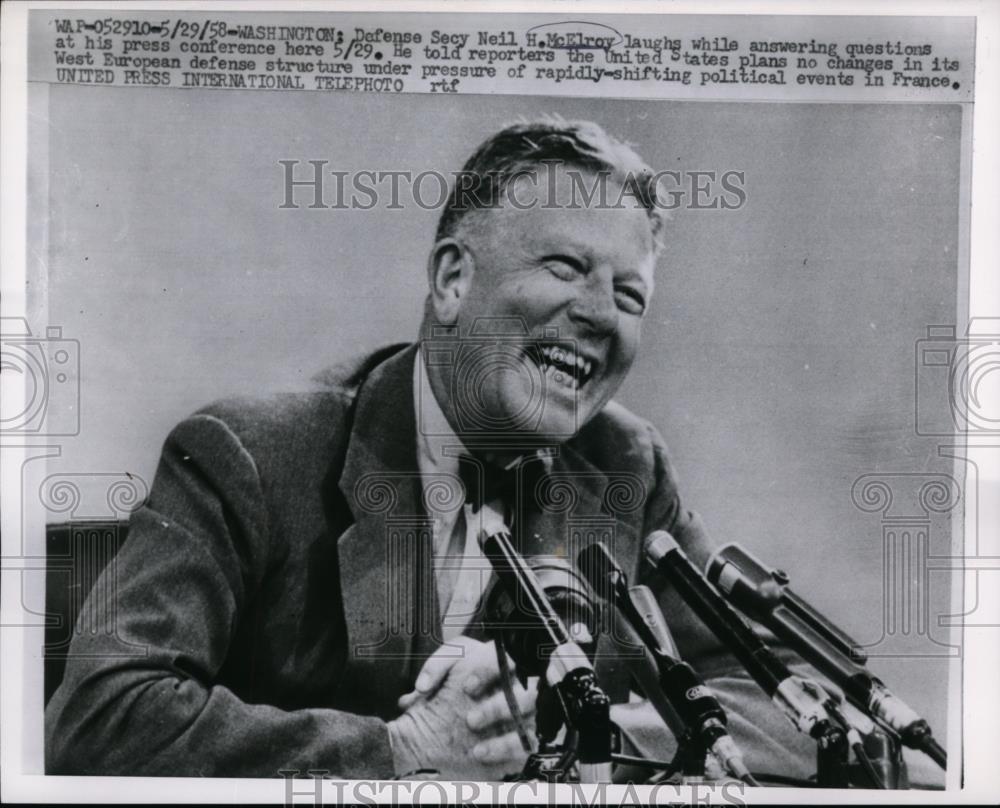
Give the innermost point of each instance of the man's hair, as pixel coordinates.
(523, 147)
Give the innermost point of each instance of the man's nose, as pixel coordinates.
(595, 307)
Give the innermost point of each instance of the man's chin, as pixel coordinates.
(555, 421)
(527, 422)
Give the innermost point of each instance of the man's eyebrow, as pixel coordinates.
(561, 244)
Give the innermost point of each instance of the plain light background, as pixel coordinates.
(778, 355)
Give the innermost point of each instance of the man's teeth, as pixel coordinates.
(560, 377)
(558, 362)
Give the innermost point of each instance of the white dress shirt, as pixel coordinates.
(461, 571)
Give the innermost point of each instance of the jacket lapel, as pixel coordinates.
(571, 506)
(385, 556)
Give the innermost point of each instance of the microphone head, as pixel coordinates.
(492, 522)
(716, 563)
(569, 596)
(743, 562)
(658, 544)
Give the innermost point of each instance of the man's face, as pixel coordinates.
(579, 277)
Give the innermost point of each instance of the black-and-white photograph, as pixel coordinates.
(557, 436)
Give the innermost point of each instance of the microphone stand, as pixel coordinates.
(832, 761)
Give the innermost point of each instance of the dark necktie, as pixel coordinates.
(461, 583)
(487, 483)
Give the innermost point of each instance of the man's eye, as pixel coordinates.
(564, 266)
(629, 300)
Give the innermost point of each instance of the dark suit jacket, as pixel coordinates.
(274, 597)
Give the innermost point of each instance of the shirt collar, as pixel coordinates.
(438, 447)
(434, 433)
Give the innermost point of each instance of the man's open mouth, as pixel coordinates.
(561, 364)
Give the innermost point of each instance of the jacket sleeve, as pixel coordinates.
(666, 511)
(139, 697)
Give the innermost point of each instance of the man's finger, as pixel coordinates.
(501, 749)
(495, 710)
(483, 672)
(438, 664)
(407, 700)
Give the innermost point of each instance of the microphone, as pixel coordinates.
(558, 653)
(567, 668)
(764, 595)
(687, 695)
(645, 670)
(802, 701)
(523, 637)
(649, 611)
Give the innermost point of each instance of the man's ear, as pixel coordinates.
(449, 276)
